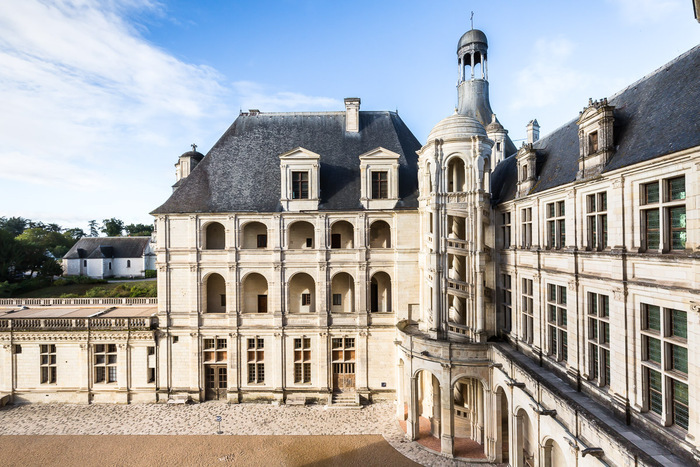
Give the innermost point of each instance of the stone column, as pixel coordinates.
(446, 410)
(412, 423)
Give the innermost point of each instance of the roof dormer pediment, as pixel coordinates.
(300, 153)
(379, 154)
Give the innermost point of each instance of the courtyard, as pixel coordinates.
(252, 434)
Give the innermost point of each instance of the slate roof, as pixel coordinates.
(657, 115)
(242, 171)
(108, 247)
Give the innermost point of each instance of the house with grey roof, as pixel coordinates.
(102, 257)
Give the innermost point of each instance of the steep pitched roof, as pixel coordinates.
(242, 171)
(108, 247)
(657, 115)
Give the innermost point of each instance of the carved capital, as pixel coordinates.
(121, 346)
(695, 306)
(193, 334)
(620, 294)
(572, 285)
(193, 267)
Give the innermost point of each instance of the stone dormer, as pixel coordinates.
(299, 180)
(533, 131)
(498, 135)
(595, 136)
(379, 179)
(527, 168)
(186, 163)
(352, 114)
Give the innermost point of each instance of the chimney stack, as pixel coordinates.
(352, 114)
(533, 131)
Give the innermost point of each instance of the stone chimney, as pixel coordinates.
(533, 131)
(352, 114)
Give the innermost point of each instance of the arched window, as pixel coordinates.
(379, 235)
(214, 236)
(302, 294)
(254, 294)
(215, 295)
(342, 293)
(301, 236)
(254, 235)
(380, 295)
(455, 175)
(342, 235)
(128, 263)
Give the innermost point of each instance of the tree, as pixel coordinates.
(14, 225)
(112, 227)
(48, 241)
(9, 256)
(74, 234)
(93, 228)
(139, 230)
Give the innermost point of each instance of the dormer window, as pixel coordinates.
(526, 159)
(379, 179)
(299, 190)
(593, 142)
(523, 177)
(380, 185)
(300, 185)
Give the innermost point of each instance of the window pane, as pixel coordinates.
(679, 324)
(680, 404)
(653, 349)
(651, 193)
(653, 318)
(680, 358)
(678, 234)
(676, 188)
(655, 399)
(652, 228)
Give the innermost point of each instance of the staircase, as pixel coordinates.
(345, 400)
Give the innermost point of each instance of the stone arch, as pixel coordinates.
(214, 293)
(342, 234)
(301, 293)
(254, 235)
(301, 235)
(379, 234)
(553, 454)
(502, 420)
(469, 408)
(214, 236)
(342, 293)
(427, 390)
(380, 292)
(455, 174)
(525, 440)
(254, 293)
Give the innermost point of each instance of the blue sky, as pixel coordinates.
(101, 97)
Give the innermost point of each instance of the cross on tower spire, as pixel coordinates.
(194, 147)
(472, 19)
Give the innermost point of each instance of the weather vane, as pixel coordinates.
(194, 147)
(472, 19)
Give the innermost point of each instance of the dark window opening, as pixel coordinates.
(300, 185)
(223, 299)
(337, 299)
(309, 243)
(335, 240)
(305, 299)
(593, 142)
(380, 185)
(262, 241)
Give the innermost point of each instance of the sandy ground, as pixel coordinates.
(198, 450)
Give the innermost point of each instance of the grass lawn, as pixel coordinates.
(56, 291)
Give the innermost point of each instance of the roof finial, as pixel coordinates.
(194, 147)
(472, 19)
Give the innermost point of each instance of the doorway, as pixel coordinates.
(216, 381)
(343, 349)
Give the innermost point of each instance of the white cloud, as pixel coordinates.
(256, 96)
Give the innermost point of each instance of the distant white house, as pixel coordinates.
(102, 257)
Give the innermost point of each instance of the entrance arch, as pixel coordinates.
(525, 441)
(215, 296)
(468, 418)
(342, 293)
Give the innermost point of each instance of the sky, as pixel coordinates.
(100, 97)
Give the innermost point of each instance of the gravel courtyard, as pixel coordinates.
(159, 434)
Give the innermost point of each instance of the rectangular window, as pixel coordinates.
(151, 364)
(223, 299)
(256, 360)
(505, 229)
(337, 299)
(262, 241)
(665, 363)
(309, 242)
(557, 321)
(302, 360)
(599, 338)
(597, 221)
(305, 299)
(300, 185)
(527, 311)
(128, 263)
(664, 217)
(48, 363)
(335, 240)
(592, 142)
(556, 225)
(380, 185)
(215, 350)
(506, 301)
(105, 363)
(526, 224)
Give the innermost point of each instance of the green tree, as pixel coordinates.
(74, 234)
(55, 243)
(14, 225)
(93, 228)
(139, 230)
(10, 256)
(113, 227)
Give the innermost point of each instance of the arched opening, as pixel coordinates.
(342, 235)
(215, 287)
(254, 235)
(457, 265)
(342, 293)
(525, 442)
(455, 175)
(214, 236)
(553, 454)
(502, 427)
(254, 291)
(302, 294)
(301, 236)
(456, 227)
(381, 293)
(379, 235)
(429, 410)
(457, 310)
(468, 418)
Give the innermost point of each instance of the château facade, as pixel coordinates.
(543, 302)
